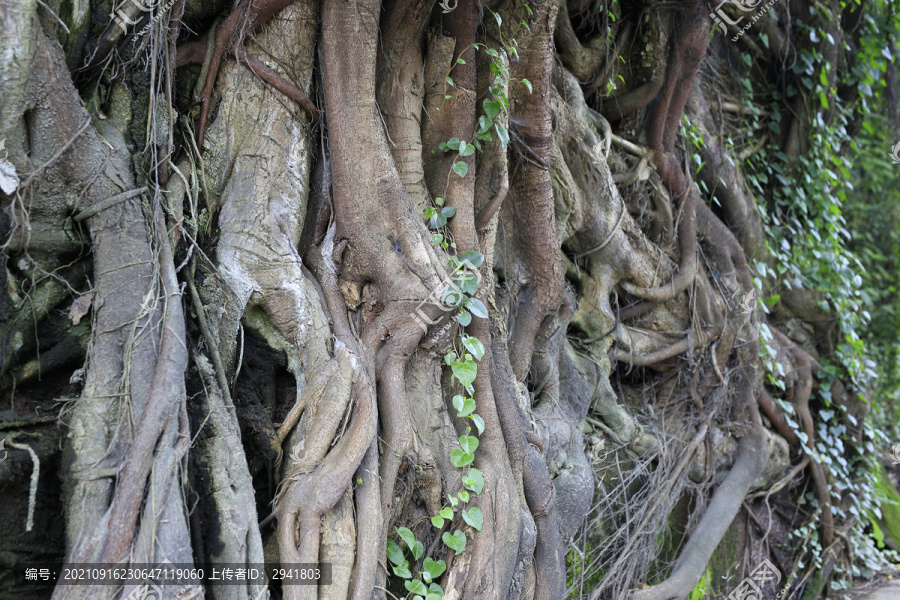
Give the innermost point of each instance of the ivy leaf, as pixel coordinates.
(453, 500)
(464, 496)
(447, 512)
(464, 406)
(453, 143)
(468, 443)
(477, 308)
(434, 567)
(416, 587)
(418, 550)
(464, 317)
(474, 346)
(456, 542)
(395, 553)
(491, 108)
(460, 458)
(407, 536)
(466, 149)
(464, 371)
(475, 259)
(437, 521)
(448, 212)
(474, 481)
(474, 517)
(502, 134)
(528, 85)
(449, 81)
(460, 168)
(402, 571)
(479, 423)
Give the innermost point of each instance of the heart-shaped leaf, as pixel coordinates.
(434, 567)
(416, 587)
(447, 512)
(437, 521)
(456, 542)
(464, 408)
(474, 481)
(460, 168)
(453, 143)
(464, 371)
(464, 496)
(469, 443)
(448, 211)
(464, 317)
(474, 517)
(459, 458)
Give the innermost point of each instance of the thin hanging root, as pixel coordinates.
(35, 476)
(229, 38)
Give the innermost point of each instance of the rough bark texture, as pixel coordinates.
(234, 201)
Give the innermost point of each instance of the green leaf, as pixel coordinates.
(464, 317)
(498, 19)
(460, 168)
(436, 239)
(460, 458)
(462, 147)
(437, 521)
(477, 308)
(502, 134)
(453, 500)
(474, 481)
(474, 517)
(484, 124)
(416, 587)
(436, 589)
(479, 423)
(475, 259)
(467, 282)
(468, 150)
(464, 496)
(453, 143)
(434, 597)
(402, 571)
(407, 536)
(469, 443)
(434, 567)
(464, 406)
(395, 553)
(464, 371)
(474, 346)
(448, 212)
(456, 542)
(447, 512)
(491, 108)
(528, 85)
(418, 550)
(449, 80)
